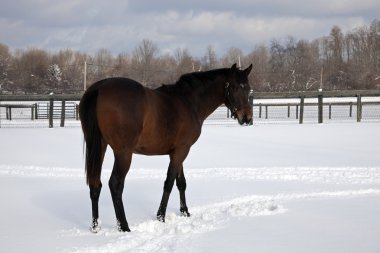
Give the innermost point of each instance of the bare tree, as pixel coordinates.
(233, 55)
(31, 69)
(143, 61)
(121, 65)
(5, 65)
(184, 61)
(259, 57)
(210, 60)
(279, 74)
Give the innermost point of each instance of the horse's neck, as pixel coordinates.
(209, 99)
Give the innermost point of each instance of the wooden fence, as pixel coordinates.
(52, 99)
(8, 101)
(320, 95)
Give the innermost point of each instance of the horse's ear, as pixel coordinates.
(248, 70)
(234, 67)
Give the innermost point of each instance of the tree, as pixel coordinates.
(143, 61)
(259, 57)
(30, 69)
(55, 76)
(210, 60)
(233, 55)
(5, 65)
(278, 71)
(121, 65)
(184, 61)
(102, 64)
(336, 73)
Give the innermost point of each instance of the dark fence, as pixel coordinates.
(38, 110)
(295, 107)
(320, 105)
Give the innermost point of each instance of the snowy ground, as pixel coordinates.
(265, 188)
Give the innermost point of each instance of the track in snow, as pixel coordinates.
(154, 236)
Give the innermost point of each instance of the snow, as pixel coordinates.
(264, 188)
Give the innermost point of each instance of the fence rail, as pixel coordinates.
(52, 108)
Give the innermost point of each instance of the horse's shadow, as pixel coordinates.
(69, 203)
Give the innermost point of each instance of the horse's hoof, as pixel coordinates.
(185, 214)
(161, 218)
(95, 226)
(123, 227)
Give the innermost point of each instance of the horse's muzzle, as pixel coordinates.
(244, 116)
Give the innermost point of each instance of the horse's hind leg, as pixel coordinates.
(94, 195)
(181, 185)
(116, 184)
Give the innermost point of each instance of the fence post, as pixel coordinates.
(359, 108)
(350, 109)
(32, 113)
(251, 103)
(9, 112)
(330, 111)
(320, 108)
(250, 98)
(35, 111)
(77, 111)
(260, 110)
(266, 112)
(63, 113)
(51, 108)
(296, 111)
(302, 104)
(288, 110)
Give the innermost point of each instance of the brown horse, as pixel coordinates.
(132, 119)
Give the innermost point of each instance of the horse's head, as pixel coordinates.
(237, 90)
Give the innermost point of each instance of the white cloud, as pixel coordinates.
(119, 26)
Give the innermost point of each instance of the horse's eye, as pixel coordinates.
(242, 85)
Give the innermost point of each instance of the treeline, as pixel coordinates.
(339, 60)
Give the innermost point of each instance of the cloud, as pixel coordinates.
(120, 25)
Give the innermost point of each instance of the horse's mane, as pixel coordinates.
(191, 81)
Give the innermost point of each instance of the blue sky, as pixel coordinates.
(119, 25)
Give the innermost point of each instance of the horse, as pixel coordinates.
(133, 119)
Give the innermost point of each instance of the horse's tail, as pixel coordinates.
(92, 136)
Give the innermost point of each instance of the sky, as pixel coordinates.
(120, 25)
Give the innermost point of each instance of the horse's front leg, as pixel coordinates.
(168, 186)
(175, 171)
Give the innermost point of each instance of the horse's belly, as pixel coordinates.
(151, 150)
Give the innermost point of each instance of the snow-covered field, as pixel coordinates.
(264, 188)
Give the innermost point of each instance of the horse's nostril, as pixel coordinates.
(247, 120)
